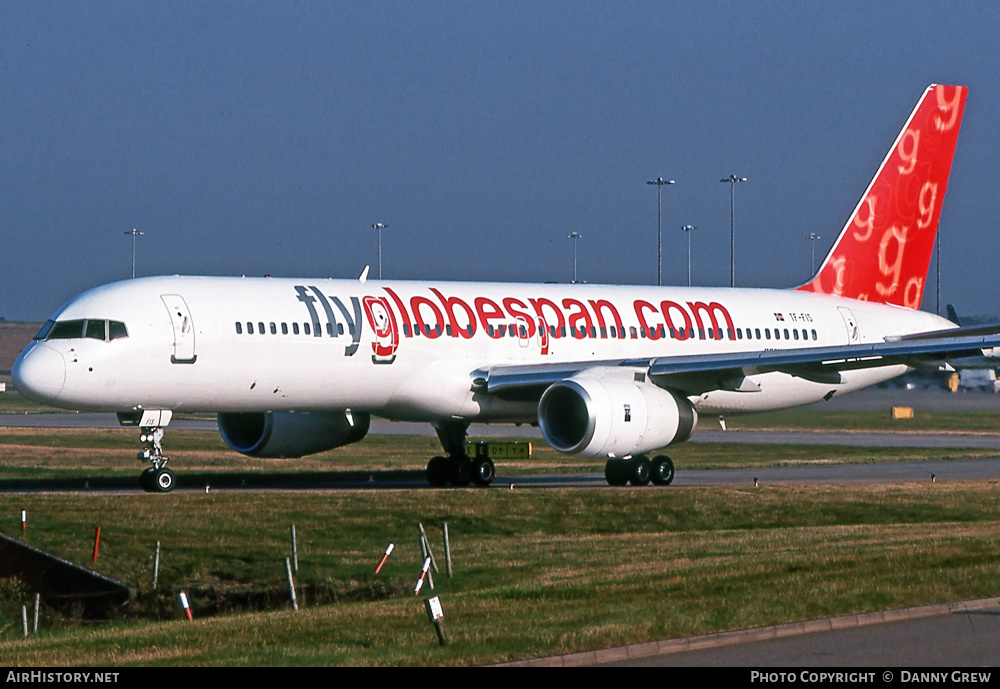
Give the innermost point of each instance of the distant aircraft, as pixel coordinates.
(298, 366)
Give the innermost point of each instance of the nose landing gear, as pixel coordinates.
(157, 478)
(151, 422)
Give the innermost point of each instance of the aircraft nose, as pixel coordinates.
(39, 373)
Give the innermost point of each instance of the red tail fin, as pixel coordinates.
(883, 252)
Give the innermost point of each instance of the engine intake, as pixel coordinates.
(291, 434)
(601, 417)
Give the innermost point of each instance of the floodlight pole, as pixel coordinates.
(659, 182)
(378, 227)
(135, 233)
(574, 236)
(732, 179)
(812, 237)
(687, 230)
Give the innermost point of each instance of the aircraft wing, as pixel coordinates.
(696, 374)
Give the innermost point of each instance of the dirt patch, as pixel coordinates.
(219, 594)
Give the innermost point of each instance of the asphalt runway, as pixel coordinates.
(949, 636)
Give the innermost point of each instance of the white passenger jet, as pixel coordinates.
(298, 366)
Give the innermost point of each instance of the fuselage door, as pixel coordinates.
(180, 319)
(853, 332)
(522, 328)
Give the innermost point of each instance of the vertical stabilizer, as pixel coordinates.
(883, 252)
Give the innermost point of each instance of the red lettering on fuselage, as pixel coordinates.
(581, 314)
(683, 332)
(465, 330)
(499, 317)
(640, 306)
(698, 306)
(521, 312)
(601, 305)
(560, 320)
(431, 328)
(489, 311)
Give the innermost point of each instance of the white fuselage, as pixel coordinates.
(410, 350)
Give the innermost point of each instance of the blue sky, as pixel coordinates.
(267, 137)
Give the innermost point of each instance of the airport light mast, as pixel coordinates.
(812, 237)
(135, 233)
(659, 182)
(732, 180)
(574, 236)
(378, 227)
(687, 230)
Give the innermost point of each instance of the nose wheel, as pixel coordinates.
(156, 478)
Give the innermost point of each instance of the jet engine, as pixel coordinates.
(291, 434)
(604, 417)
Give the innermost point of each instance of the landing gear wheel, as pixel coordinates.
(461, 471)
(164, 481)
(662, 470)
(616, 472)
(438, 472)
(639, 470)
(146, 479)
(483, 471)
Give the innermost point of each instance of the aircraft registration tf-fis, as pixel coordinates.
(298, 366)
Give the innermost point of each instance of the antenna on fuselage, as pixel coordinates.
(364, 274)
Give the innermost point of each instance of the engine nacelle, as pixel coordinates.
(291, 434)
(601, 417)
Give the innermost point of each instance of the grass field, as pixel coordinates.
(538, 572)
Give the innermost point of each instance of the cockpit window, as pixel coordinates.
(116, 330)
(43, 333)
(96, 329)
(66, 330)
(91, 328)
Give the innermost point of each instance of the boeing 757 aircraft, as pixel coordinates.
(298, 366)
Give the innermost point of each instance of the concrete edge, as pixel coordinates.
(649, 649)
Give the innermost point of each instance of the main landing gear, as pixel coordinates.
(157, 478)
(639, 470)
(458, 468)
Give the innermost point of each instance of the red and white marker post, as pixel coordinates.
(385, 557)
(185, 605)
(423, 574)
